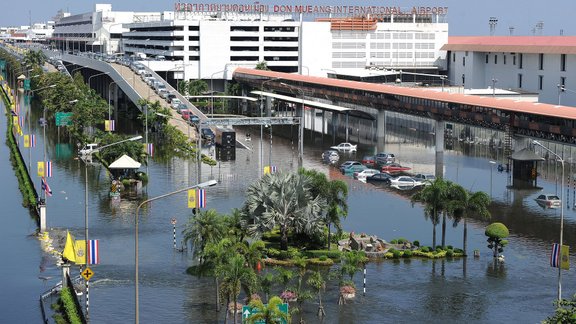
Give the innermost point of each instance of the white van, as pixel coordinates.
(140, 55)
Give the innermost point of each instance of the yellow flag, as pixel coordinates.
(80, 252)
(564, 257)
(69, 252)
(267, 169)
(41, 172)
(16, 124)
(26, 141)
(191, 198)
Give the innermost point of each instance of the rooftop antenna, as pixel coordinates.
(511, 28)
(539, 27)
(492, 22)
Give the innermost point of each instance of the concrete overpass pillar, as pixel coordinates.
(268, 106)
(439, 162)
(334, 126)
(381, 131)
(115, 112)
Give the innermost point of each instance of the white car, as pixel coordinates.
(549, 201)
(403, 181)
(362, 175)
(175, 102)
(345, 147)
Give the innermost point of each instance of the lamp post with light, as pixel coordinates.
(209, 183)
(561, 160)
(86, 156)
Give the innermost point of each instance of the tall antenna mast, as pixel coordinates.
(492, 22)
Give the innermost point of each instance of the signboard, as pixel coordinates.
(63, 119)
(27, 84)
(87, 274)
(2, 64)
(248, 311)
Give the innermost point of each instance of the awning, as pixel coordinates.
(125, 162)
(309, 103)
(526, 154)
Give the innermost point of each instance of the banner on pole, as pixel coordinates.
(110, 125)
(41, 170)
(191, 198)
(560, 256)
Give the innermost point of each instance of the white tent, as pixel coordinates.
(125, 162)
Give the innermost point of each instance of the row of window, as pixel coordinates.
(520, 60)
(562, 82)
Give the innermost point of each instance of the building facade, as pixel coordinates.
(534, 64)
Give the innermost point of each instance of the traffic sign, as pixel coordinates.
(173, 221)
(63, 119)
(87, 274)
(248, 311)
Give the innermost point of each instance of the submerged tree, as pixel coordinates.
(497, 232)
(565, 312)
(466, 203)
(435, 198)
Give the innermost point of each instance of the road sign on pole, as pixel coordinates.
(87, 274)
(63, 119)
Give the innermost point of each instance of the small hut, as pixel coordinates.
(525, 169)
(123, 173)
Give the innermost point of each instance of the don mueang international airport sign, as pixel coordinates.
(258, 8)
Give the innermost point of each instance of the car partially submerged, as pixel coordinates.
(549, 201)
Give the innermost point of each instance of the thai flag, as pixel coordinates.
(49, 169)
(93, 255)
(201, 198)
(32, 140)
(46, 187)
(555, 256)
(150, 149)
(273, 169)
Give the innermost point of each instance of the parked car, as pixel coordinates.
(330, 156)
(405, 181)
(169, 97)
(369, 160)
(548, 201)
(207, 134)
(181, 107)
(175, 103)
(344, 147)
(362, 175)
(426, 178)
(354, 168)
(347, 164)
(385, 158)
(394, 167)
(194, 119)
(379, 177)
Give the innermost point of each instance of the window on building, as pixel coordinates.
(463, 60)
(504, 60)
(487, 57)
(513, 59)
(540, 82)
(520, 77)
(541, 61)
(495, 59)
(563, 62)
(562, 81)
(520, 58)
(453, 57)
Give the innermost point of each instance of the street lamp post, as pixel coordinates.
(137, 298)
(86, 156)
(95, 75)
(109, 97)
(491, 168)
(561, 160)
(561, 88)
(494, 87)
(262, 127)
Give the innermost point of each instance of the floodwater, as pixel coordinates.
(398, 291)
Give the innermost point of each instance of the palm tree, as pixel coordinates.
(234, 274)
(434, 199)
(253, 252)
(335, 193)
(469, 202)
(283, 200)
(317, 282)
(269, 314)
(214, 255)
(206, 227)
(285, 276)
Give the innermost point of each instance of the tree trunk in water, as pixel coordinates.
(328, 236)
(235, 310)
(443, 230)
(465, 236)
(433, 236)
(226, 315)
(217, 294)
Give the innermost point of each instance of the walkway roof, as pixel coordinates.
(417, 92)
(513, 44)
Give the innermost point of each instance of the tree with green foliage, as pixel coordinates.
(565, 312)
(183, 87)
(302, 293)
(352, 262)
(316, 281)
(263, 65)
(34, 58)
(335, 193)
(283, 200)
(206, 227)
(284, 276)
(497, 232)
(234, 274)
(466, 203)
(197, 87)
(269, 313)
(435, 198)
(133, 149)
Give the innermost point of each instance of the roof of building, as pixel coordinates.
(526, 154)
(513, 44)
(423, 93)
(124, 162)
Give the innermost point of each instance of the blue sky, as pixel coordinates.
(466, 17)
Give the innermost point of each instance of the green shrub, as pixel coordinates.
(450, 253)
(284, 255)
(332, 254)
(458, 251)
(323, 258)
(396, 254)
(416, 243)
(402, 240)
(69, 306)
(293, 252)
(407, 254)
(449, 247)
(316, 261)
(425, 249)
(272, 252)
(439, 249)
(394, 241)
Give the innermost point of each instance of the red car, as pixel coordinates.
(369, 161)
(394, 167)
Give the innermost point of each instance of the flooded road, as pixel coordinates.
(398, 291)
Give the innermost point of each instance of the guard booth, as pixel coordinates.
(124, 177)
(524, 167)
